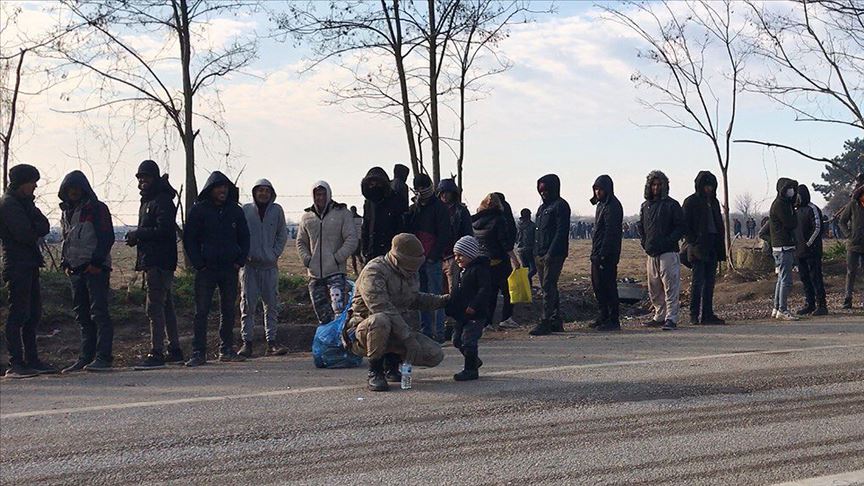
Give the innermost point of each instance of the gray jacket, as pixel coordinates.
(267, 236)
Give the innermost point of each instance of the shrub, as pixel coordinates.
(835, 252)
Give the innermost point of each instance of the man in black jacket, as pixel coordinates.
(705, 241)
(155, 239)
(429, 220)
(552, 244)
(852, 224)
(22, 226)
(606, 252)
(382, 214)
(661, 225)
(808, 238)
(216, 240)
(400, 185)
(526, 232)
(782, 225)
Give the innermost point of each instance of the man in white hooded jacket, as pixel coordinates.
(259, 278)
(325, 240)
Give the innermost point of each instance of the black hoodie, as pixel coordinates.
(382, 214)
(808, 233)
(156, 235)
(608, 224)
(700, 211)
(661, 220)
(782, 221)
(400, 185)
(216, 237)
(88, 231)
(553, 221)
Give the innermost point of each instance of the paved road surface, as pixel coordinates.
(744, 404)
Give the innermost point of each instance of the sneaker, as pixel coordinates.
(229, 356)
(807, 309)
(509, 324)
(786, 316)
(669, 325)
(773, 313)
(17, 372)
(713, 321)
(98, 364)
(76, 366)
(466, 375)
(377, 382)
(175, 356)
(43, 368)
(245, 350)
(274, 349)
(653, 323)
(820, 311)
(196, 360)
(153, 361)
(541, 329)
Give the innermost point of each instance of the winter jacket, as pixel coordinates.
(699, 209)
(460, 225)
(267, 236)
(553, 221)
(808, 232)
(382, 214)
(491, 230)
(474, 290)
(782, 215)
(852, 222)
(216, 237)
(22, 225)
(429, 221)
(156, 235)
(608, 224)
(525, 235)
(508, 215)
(88, 232)
(661, 220)
(326, 240)
(400, 186)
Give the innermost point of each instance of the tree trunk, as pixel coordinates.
(403, 86)
(433, 94)
(461, 157)
(727, 229)
(188, 131)
(12, 111)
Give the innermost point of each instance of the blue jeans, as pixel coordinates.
(783, 262)
(432, 282)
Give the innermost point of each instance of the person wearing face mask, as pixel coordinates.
(808, 236)
(382, 214)
(782, 224)
(551, 246)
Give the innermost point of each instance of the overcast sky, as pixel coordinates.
(567, 106)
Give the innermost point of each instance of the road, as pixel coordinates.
(743, 404)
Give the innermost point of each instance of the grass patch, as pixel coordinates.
(835, 252)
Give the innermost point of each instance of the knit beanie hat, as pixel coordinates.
(423, 186)
(407, 252)
(22, 174)
(148, 167)
(467, 246)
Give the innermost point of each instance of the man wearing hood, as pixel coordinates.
(782, 224)
(325, 241)
(88, 235)
(216, 240)
(388, 287)
(661, 225)
(382, 214)
(259, 278)
(460, 225)
(551, 246)
(155, 240)
(808, 238)
(429, 220)
(526, 232)
(606, 252)
(22, 227)
(705, 241)
(400, 185)
(852, 224)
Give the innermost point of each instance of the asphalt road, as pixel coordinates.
(742, 404)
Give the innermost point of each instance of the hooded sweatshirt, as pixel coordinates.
(808, 233)
(326, 239)
(216, 237)
(782, 218)
(156, 234)
(382, 214)
(460, 217)
(88, 232)
(267, 235)
(608, 224)
(552, 237)
(704, 232)
(852, 222)
(400, 185)
(661, 220)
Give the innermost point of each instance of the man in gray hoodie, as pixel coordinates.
(259, 278)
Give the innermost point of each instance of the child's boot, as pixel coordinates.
(471, 364)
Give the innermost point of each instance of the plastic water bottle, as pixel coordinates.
(405, 369)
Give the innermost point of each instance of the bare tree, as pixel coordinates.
(746, 205)
(700, 54)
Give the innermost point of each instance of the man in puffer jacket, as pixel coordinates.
(661, 225)
(606, 252)
(88, 235)
(325, 241)
(259, 278)
(388, 287)
(551, 247)
(216, 240)
(852, 224)
(383, 213)
(705, 240)
(782, 224)
(808, 237)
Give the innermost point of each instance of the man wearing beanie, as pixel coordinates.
(387, 287)
(22, 227)
(429, 220)
(155, 240)
(470, 303)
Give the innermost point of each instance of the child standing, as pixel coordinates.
(469, 303)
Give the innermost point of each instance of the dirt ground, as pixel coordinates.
(738, 296)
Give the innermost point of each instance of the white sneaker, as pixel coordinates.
(509, 324)
(786, 316)
(773, 313)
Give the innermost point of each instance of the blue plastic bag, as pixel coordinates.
(327, 348)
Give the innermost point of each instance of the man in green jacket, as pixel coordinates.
(852, 224)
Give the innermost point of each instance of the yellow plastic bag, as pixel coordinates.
(520, 287)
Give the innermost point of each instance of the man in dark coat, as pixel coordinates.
(460, 225)
(606, 252)
(382, 214)
(155, 239)
(705, 242)
(216, 240)
(782, 225)
(808, 238)
(400, 185)
(551, 246)
(525, 235)
(852, 224)
(22, 226)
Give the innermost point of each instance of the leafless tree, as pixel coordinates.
(700, 53)
(746, 204)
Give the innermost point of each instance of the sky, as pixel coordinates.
(567, 106)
